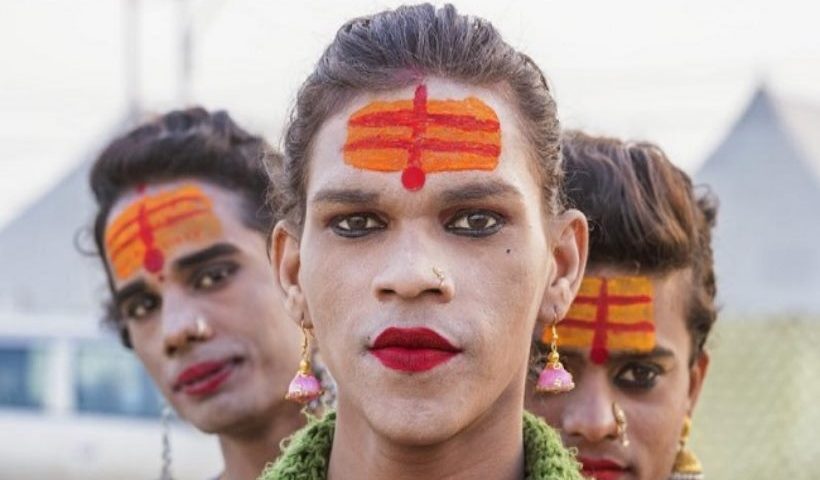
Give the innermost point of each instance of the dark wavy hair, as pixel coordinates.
(644, 215)
(398, 48)
(192, 143)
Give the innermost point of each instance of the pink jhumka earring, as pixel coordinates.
(554, 378)
(304, 388)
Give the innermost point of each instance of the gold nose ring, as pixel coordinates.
(620, 423)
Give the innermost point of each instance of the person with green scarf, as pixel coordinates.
(423, 233)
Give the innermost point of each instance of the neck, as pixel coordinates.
(246, 452)
(490, 447)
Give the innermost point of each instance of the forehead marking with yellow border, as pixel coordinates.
(145, 232)
(609, 314)
(421, 136)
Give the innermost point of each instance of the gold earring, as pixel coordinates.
(304, 387)
(554, 378)
(620, 423)
(687, 465)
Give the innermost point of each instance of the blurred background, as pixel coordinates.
(729, 88)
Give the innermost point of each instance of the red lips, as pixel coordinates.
(412, 349)
(204, 378)
(601, 469)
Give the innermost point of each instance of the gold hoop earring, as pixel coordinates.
(620, 423)
(554, 378)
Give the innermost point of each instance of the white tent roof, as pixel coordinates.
(767, 175)
(46, 253)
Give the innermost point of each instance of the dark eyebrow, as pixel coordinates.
(354, 196)
(129, 290)
(202, 256)
(618, 356)
(657, 352)
(479, 190)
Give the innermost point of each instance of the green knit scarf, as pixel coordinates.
(307, 454)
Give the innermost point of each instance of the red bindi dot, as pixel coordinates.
(413, 178)
(153, 261)
(598, 355)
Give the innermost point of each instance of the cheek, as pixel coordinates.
(148, 347)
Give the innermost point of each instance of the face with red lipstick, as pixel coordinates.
(656, 385)
(424, 294)
(197, 295)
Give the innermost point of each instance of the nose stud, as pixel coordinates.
(202, 330)
(440, 275)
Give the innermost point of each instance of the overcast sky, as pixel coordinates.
(674, 72)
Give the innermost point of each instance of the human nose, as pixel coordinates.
(414, 270)
(590, 415)
(182, 327)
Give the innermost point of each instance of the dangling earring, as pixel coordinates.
(554, 378)
(165, 420)
(687, 466)
(304, 387)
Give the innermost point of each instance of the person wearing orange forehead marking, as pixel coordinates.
(634, 337)
(423, 233)
(181, 229)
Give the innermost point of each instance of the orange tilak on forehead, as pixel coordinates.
(422, 136)
(609, 314)
(145, 232)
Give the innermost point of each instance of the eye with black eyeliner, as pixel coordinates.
(356, 225)
(140, 306)
(475, 223)
(638, 375)
(213, 276)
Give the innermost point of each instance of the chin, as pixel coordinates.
(415, 422)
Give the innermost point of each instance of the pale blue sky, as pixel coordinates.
(675, 72)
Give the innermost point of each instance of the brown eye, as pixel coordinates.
(356, 225)
(213, 276)
(476, 223)
(635, 375)
(140, 306)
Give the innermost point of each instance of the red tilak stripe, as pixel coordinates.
(409, 118)
(642, 326)
(153, 210)
(615, 300)
(429, 144)
(419, 126)
(165, 224)
(601, 318)
(145, 233)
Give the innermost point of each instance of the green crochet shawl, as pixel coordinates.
(307, 453)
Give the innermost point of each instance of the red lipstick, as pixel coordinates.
(412, 349)
(601, 469)
(204, 378)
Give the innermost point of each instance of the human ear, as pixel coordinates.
(697, 373)
(569, 242)
(286, 260)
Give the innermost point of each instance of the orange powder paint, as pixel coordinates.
(421, 136)
(151, 227)
(609, 314)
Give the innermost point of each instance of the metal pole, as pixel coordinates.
(131, 45)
